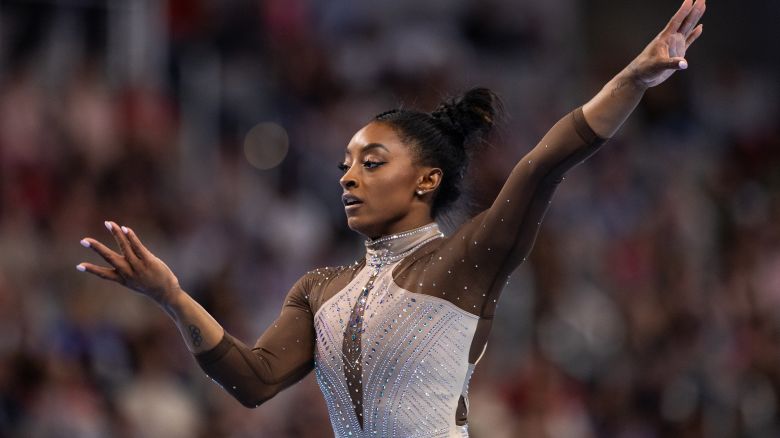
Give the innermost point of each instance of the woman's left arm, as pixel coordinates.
(507, 230)
(665, 54)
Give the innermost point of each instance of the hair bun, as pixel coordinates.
(446, 137)
(469, 116)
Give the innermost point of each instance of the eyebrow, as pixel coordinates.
(369, 147)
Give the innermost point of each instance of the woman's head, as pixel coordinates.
(410, 164)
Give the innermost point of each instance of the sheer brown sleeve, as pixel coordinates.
(283, 355)
(500, 238)
(513, 221)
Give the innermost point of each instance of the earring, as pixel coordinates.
(420, 192)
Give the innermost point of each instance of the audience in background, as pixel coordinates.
(650, 306)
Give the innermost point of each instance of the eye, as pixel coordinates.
(344, 167)
(372, 164)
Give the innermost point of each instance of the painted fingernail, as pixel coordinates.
(80, 268)
(108, 225)
(84, 243)
(683, 65)
(124, 229)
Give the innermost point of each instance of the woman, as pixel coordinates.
(395, 337)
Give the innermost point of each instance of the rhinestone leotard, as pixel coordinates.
(394, 337)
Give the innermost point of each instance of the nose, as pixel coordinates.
(348, 181)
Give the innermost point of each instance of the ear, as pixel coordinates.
(429, 179)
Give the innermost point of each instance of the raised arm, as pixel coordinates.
(282, 355)
(665, 54)
(503, 235)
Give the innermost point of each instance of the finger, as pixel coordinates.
(135, 243)
(100, 271)
(695, 34)
(107, 253)
(693, 18)
(121, 240)
(678, 17)
(676, 63)
(116, 260)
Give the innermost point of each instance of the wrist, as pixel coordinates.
(172, 300)
(629, 78)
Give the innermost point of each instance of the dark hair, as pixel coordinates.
(447, 137)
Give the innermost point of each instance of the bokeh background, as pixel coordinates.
(650, 306)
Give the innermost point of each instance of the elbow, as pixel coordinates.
(251, 399)
(251, 403)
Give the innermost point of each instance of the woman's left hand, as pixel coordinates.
(666, 53)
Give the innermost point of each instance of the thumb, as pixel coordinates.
(676, 63)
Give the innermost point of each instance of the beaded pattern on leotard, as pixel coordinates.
(350, 348)
(314, 316)
(413, 353)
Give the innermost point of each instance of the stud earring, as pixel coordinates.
(420, 192)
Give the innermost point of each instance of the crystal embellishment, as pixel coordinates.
(390, 362)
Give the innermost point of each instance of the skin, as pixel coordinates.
(665, 54)
(382, 171)
(390, 204)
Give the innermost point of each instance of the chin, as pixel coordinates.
(357, 226)
(363, 227)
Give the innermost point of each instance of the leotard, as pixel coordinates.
(395, 337)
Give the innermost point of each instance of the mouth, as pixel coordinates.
(350, 201)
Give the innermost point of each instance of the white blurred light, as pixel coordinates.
(266, 145)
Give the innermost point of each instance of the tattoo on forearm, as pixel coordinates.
(617, 87)
(195, 336)
(630, 79)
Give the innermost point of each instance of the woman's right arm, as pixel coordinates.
(283, 355)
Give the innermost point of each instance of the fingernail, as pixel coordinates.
(683, 65)
(84, 243)
(80, 268)
(124, 229)
(108, 225)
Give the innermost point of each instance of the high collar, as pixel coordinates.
(392, 248)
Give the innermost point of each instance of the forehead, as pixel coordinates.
(376, 134)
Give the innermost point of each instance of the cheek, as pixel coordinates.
(395, 190)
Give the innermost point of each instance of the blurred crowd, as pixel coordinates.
(650, 305)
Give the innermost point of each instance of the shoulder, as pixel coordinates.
(315, 286)
(328, 273)
(467, 239)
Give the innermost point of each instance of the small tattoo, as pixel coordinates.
(197, 339)
(619, 85)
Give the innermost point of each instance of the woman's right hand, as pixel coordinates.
(134, 267)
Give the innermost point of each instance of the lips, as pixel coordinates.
(350, 200)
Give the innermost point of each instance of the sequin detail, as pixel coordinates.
(351, 349)
(414, 364)
(408, 361)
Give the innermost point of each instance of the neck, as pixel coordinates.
(393, 247)
(416, 217)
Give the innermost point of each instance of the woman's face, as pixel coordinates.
(381, 178)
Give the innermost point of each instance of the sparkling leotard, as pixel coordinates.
(394, 338)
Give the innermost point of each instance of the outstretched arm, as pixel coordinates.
(281, 357)
(503, 235)
(138, 269)
(665, 54)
